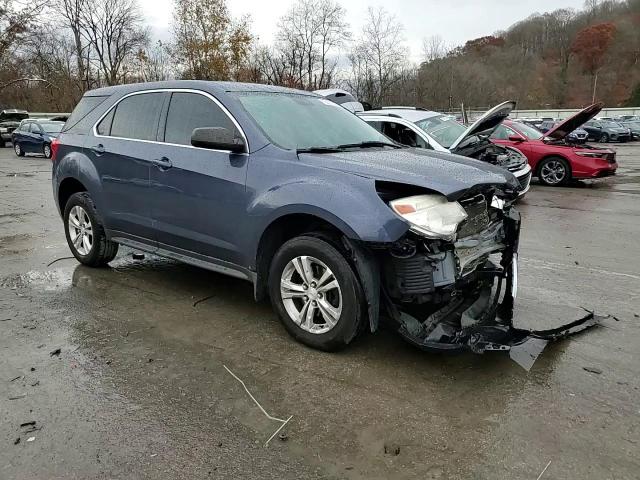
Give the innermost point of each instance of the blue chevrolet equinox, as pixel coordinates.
(339, 226)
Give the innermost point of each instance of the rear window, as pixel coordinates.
(136, 117)
(85, 106)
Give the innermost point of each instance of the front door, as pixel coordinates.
(198, 195)
(122, 151)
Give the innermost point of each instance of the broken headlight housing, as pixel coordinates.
(432, 216)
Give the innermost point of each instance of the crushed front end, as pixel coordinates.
(453, 290)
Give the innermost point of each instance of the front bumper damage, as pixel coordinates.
(458, 296)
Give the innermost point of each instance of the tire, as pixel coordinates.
(346, 299)
(18, 149)
(604, 138)
(46, 150)
(98, 251)
(554, 172)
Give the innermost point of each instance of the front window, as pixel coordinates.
(442, 128)
(294, 121)
(529, 132)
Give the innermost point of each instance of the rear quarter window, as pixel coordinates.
(84, 107)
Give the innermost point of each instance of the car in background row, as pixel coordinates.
(554, 160)
(429, 130)
(627, 118)
(35, 136)
(10, 120)
(634, 127)
(342, 98)
(579, 135)
(604, 131)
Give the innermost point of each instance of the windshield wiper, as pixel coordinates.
(318, 150)
(370, 144)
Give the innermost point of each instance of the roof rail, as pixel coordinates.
(369, 112)
(400, 107)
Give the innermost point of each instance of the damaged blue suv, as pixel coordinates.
(338, 225)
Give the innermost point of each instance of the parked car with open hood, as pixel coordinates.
(10, 120)
(429, 130)
(556, 160)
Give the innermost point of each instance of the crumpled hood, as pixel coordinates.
(448, 174)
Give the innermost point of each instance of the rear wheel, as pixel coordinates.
(554, 171)
(18, 149)
(604, 138)
(85, 232)
(315, 293)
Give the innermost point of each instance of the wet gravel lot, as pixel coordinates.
(138, 388)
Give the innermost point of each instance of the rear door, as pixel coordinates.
(35, 138)
(123, 147)
(198, 195)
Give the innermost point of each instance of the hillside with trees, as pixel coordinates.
(51, 52)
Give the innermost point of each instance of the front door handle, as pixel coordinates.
(162, 163)
(98, 149)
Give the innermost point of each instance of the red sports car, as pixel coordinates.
(553, 158)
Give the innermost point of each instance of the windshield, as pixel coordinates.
(298, 122)
(610, 124)
(529, 132)
(442, 128)
(52, 127)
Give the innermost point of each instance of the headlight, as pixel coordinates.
(430, 215)
(590, 154)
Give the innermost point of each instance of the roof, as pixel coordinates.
(219, 87)
(407, 113)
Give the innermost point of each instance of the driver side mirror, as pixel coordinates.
(217, 138)
(516, 138)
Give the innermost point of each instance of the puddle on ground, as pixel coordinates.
(48, 281)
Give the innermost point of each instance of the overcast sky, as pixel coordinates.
(456, 21)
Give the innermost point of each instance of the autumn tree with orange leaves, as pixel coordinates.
(590, 47)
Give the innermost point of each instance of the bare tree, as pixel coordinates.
(381, 53)
(434, 48)
(309, 35)
(113, 29)
(71, 13)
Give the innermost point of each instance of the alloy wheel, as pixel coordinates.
(311, 294)
(47, 151)
(80, 230)
(17, 149)
(553, 172)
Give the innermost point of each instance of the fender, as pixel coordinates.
(78, 166)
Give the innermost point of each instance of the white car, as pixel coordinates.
(421, 128)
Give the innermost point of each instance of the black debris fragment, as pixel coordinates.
(33, 369)
(60, 259)
(592, 370)
(56, 352)
(28, 424)
(203, 299)
(16, 378)
(137, 256)
(18, 397)
(36, 383)
(283, 436)
(5, 319)
(576, 262)
(392, 450)
(16, 441)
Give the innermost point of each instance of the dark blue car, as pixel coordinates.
(35, 136)
(337, 224)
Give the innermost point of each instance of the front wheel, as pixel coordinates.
(554, 171)
(315, 293)
(18, 149)
(46, 150)
(604, 138)
(85, 232)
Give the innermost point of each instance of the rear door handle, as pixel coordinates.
(98, 149)
(162, 163)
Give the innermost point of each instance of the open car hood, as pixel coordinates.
(486, 124)
(564, 128)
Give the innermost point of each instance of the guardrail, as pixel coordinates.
(557, 113)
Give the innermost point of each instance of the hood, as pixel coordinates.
(568, 125)
(486, 124)
(450, 175)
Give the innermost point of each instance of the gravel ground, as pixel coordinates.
(139, 390)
